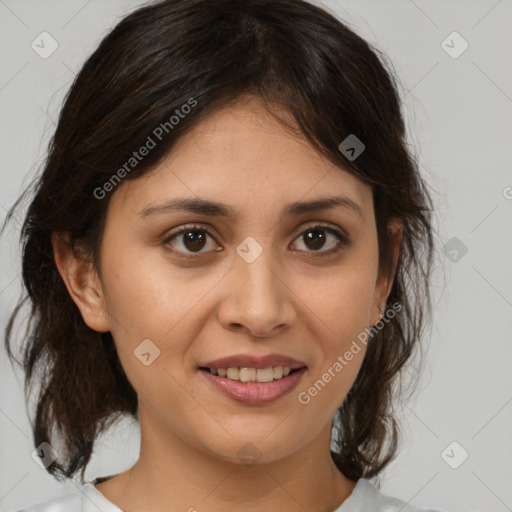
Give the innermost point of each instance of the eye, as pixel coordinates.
(190, 238)
(315, 237)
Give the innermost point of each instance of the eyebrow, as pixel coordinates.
(218, 209)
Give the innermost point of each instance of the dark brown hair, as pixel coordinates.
(298, 59)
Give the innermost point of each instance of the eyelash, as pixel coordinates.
(342, 238)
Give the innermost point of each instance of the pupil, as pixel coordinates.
(194, 240)
(314, 238)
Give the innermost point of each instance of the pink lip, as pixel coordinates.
(255, 393)
(250, 361)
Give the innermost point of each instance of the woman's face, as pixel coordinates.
(260, 282)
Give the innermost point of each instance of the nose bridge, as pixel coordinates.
(257, 300)
(256, 266)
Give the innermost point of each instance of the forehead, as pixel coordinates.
(243, 157)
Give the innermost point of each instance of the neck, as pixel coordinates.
(173, 475)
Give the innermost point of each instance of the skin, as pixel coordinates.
(291, 300)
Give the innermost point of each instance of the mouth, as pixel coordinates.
(254, 386)
(245, 374)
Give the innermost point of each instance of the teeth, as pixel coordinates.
(233, 374)
(245, 374)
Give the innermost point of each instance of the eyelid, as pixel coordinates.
(332, 228)
(188, 227)
(341, 234)
(184, 229)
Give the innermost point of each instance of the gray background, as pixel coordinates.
(459, 115)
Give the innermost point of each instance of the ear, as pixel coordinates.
(82, 283)
(385, 282)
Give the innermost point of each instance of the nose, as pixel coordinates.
(258, 297)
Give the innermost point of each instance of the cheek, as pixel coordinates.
(341, 336)
(143, 293)
(342, 301)
(150, 298)
(340, 308)
(147, 310)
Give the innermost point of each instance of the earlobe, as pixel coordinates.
(82, 282)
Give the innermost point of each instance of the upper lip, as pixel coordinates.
(251, 361)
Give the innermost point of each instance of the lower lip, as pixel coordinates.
(255, 393)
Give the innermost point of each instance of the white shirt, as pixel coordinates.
(364, 498)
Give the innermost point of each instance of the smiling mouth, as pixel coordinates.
(245, 374)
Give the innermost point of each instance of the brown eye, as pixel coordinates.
(192, 241)
(189, 240)
(315, 238)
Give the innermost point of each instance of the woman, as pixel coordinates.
(231, 243)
